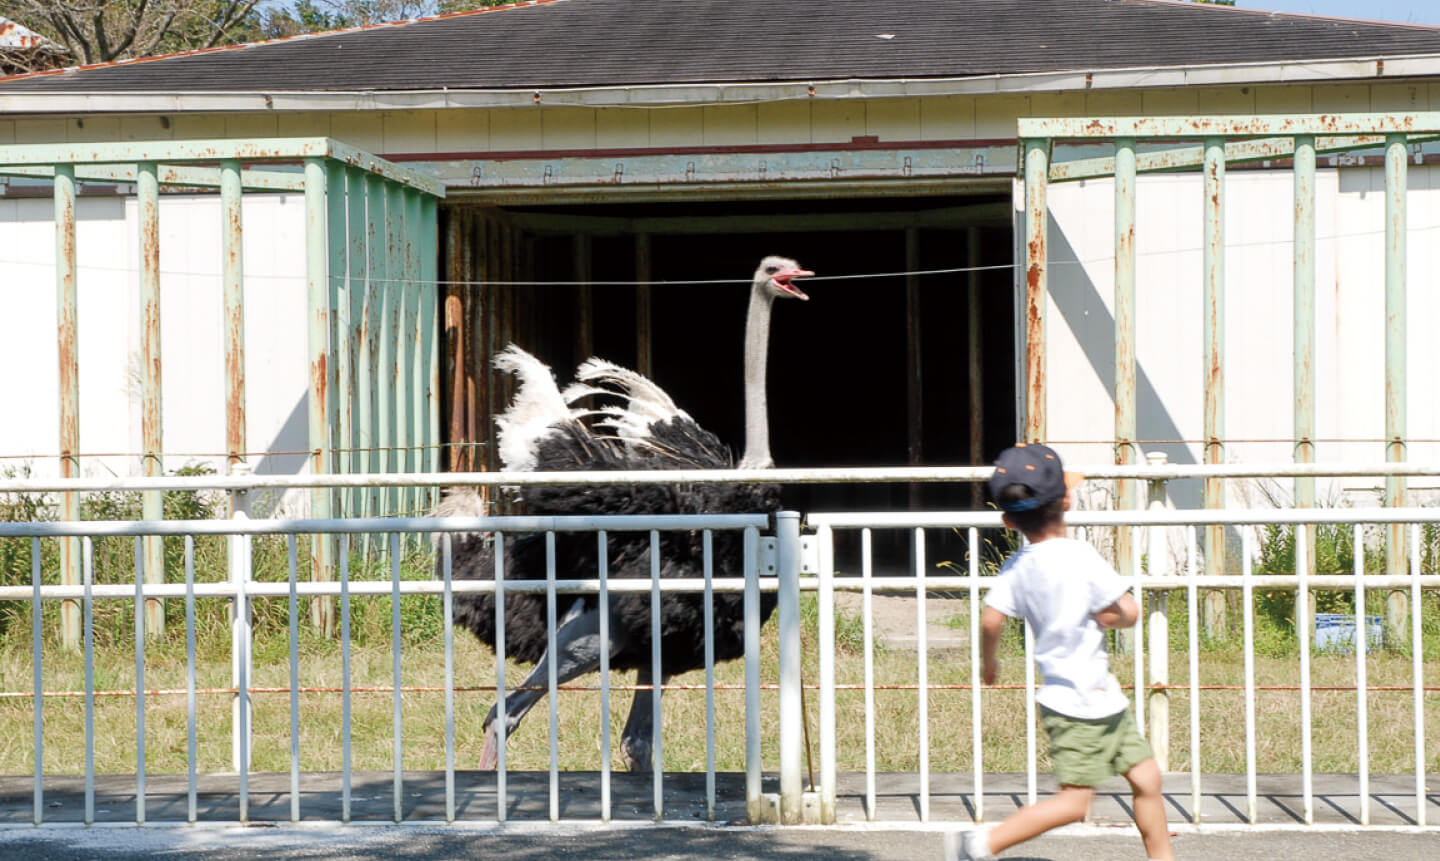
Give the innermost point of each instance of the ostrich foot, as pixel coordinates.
(636, 755)
(490, 756)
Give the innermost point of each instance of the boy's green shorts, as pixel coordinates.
(1090, 752)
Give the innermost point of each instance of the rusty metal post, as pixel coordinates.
(430, 334)
(644, 332)
(1037, 167)
(1304, 338)
(974, 358)
(232, 254)
(1126, 451)
(340, 365)
(456, 333)
(376, 270)
(1214, 335)
(68, 324)
(914, 389)
(1396, 181)
(388, 302)
(322, 552)
(400, 325)
(147, 194)
(417, 359)
(356, 372)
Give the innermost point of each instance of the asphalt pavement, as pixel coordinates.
(682, 843)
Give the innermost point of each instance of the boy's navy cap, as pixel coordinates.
(1034, 466)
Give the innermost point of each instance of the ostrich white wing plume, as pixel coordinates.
(536, 407)
(645, 402)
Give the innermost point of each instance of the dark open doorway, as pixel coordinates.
(840, 365)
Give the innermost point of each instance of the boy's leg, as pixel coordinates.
(1144, 778)
(1068, 805)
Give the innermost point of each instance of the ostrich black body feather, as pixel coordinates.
(684, 445)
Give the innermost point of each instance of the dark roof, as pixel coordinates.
(587, 43)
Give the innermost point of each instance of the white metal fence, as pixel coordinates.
(1150, 680)
(800, 565)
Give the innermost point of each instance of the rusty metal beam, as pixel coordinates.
(68, 340)
(322, 556)
(1229, 125)
(1037, 217)
(1214, 340)
(147, 194)
(232, 254)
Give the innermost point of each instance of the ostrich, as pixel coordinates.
(543, 430)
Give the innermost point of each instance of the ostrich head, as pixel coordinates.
(774, 278)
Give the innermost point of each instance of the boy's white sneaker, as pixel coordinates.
(966, 845)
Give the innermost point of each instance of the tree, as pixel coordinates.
(102, 31)
(99, 31)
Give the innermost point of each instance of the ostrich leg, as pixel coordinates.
(577, 645)
(637, 741)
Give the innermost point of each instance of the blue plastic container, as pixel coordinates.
(1335, 632)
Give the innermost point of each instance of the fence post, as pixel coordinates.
(787, 557)
(1157, 704)
(240, 669)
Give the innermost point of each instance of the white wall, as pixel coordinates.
(1258, 352)
(192, 346)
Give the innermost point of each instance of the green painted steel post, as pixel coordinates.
(1037, 169)
(232, 253)
(322, 610)
(341, 368)
(430, 334)
(1304, 339)
(399, 348)
(385, 347)
(354, 306)
(1125, 445)
(376, 267)
(67, 304)
(1214, 368)
(147, 196)
(1396, 182)
(416, 357)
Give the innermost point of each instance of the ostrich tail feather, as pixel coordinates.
(646, 403)
(536, 407)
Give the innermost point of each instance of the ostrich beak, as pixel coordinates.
(782, 278)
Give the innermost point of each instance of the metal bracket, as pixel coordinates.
(768, 561)
(809, 554)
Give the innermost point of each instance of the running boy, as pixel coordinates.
(1068, 593)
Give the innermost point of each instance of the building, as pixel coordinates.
(598, 141)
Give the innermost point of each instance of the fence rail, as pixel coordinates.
(801, 565)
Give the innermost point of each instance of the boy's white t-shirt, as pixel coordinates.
(1057, 585)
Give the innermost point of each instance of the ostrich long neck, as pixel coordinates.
(757, 343)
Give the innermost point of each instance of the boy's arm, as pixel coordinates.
(1121, 614)
(992, 622)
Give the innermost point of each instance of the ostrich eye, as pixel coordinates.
(771, 270)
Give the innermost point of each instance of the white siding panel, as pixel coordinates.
(408, 131)
(462, 131)
(568, 128)
(893, 119)
(996, 116)
(620, 128)
(947, 118)
(1340, 98)
(306, 125)
(677, 127)
(358, 130)
(1259, 290)
(783, 123)
(1284, 100)
(191, 340)
(515, 129)
(252, 126)
(47, 130)
(730, 125)
(838, 121)
(92, 129)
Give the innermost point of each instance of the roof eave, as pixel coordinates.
(1374, 68)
